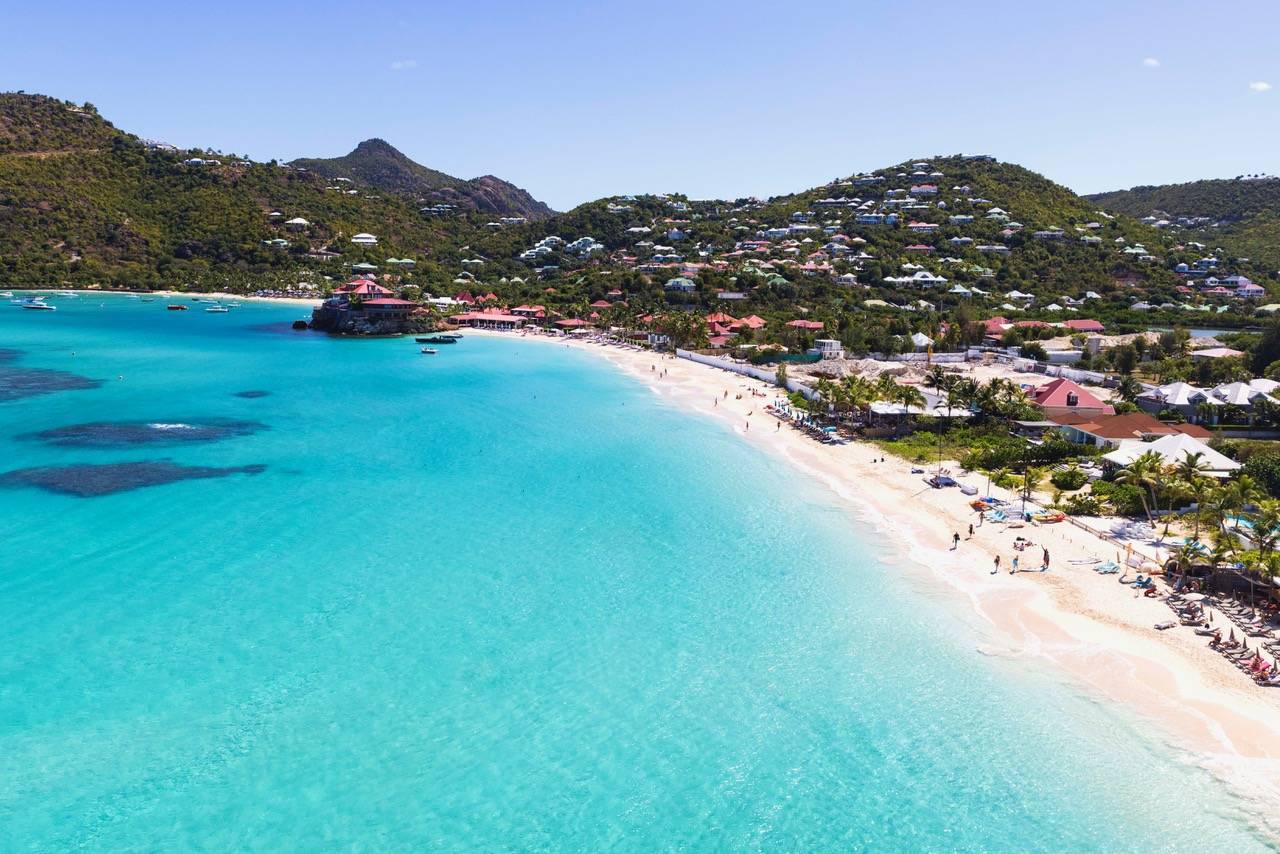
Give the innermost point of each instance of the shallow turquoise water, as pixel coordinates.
(497, 598)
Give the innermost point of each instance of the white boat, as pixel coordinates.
(6, 295)
(39, 305)
(71, 294)
(217, 309)
(429, 351)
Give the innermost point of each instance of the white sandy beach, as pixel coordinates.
(1096, 630)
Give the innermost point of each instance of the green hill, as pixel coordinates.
(1241, 216)
(82, 203)
(376, 163)
(85, 204)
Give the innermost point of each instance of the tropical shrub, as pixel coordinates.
(1069, 479)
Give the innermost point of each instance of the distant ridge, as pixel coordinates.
(1241, 215)
(377, 163)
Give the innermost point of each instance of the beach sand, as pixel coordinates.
(1096, 630)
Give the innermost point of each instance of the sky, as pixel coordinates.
(576, 101)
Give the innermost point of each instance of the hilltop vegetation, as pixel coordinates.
(1240, 215)
(917, 247)
(36, 124)
(376, 163)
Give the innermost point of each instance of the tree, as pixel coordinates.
(1125, 358)
(1268, 349)
(1034, 350)
(1145, 474)
(1128, 389)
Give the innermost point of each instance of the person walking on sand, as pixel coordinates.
(997, 569)
(1045, 566)
(982, 517)
(1013, 567)
(970, 537)
(955, 541)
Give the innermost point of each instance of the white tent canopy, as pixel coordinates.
(1173, 449)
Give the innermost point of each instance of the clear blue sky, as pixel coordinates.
(574, 101)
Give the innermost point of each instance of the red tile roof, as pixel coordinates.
(1083, 325)
(1060, 393)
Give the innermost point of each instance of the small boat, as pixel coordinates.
(71, 294)
(176, 307)
(217, 309)
(233, 305)
(437, 339)
(429, 351)
(39, 305)
(148, 299)
(6, 295)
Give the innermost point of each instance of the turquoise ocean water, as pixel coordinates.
(498, 598)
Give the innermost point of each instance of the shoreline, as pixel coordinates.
(218, 295)
(1096, 632)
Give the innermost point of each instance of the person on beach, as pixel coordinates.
(970, 537)
(1045, 567)
(955, 541)
(1013, 567)
(997, 569)
(982, 517)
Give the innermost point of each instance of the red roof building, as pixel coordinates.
(1084, 325)
(1063, 397)
(1108, 431)
(805, 324)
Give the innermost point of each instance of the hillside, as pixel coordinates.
(919, 246)
(82, 203)
(1240, 215)
(376, 163)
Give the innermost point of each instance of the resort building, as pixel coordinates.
(1064, 397)
(488, 320)
(1173, 450)
(1111, 431)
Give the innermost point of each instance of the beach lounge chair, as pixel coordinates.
(1167, 624)
(1108, 567)
(998, 516)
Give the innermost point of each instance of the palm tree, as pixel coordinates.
(1145, 473)
(1231, 498)
(886, 386)
(909, 395)
(964, 392)
(1128, 389)
(859, 392)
